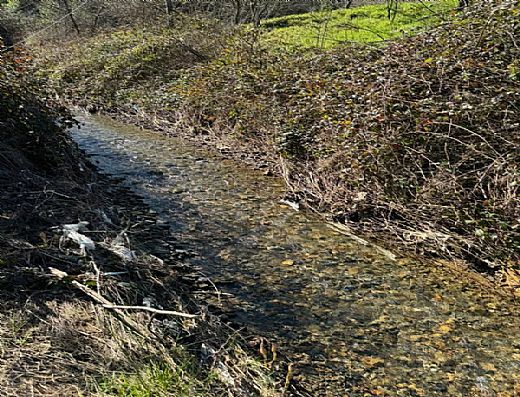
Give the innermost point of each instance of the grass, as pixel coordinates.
(367, 24)
(420, 134)
(153, 380)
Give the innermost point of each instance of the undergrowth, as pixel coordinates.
(57, 337)
(419, 138)
(111, 65)
(152, 380)
(416, 141)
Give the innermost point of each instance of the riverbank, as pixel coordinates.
(352, 318)
(414, 144)
(75, 246)
(504, 281)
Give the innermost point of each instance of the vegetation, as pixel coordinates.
(56, 338)
(364, 24)
(78, 18)
(112, 66)
(411, 138)
(153, 380)
(414, 141)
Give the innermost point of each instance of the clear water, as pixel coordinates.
(354, 321)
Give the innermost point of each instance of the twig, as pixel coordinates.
(54, 192)
(114, 274)
(151, 309)
(213, 285)
(105, 302)
(288, 379)
(98, 276)
(451, 124)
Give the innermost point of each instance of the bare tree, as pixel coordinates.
(260, 9)
(238, 4)
(251, 10)
(463, 4)
(169, 11)
(70, 13)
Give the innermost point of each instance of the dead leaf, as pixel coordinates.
(372, 361)
(489, 367)
(446, 327)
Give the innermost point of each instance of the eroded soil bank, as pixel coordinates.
(354, 320)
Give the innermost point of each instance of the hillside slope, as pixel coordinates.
(415, 143)
(364, 24)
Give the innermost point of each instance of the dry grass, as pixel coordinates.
(56, 336)
(55, 355)
(55, 342)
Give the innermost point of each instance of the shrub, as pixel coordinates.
(420, 137)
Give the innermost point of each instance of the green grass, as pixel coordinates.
(326, 29)
(153, 380)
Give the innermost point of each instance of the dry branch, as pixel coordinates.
(152, 310)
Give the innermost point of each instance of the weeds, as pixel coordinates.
(415, 141)
(153, 380)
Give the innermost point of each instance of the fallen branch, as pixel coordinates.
(151, 309)
(105, 302)
(109, 305)
(136, 327)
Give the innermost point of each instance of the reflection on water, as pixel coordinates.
(356, 322)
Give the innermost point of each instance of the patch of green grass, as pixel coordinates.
(326, 29)
(19, 329)
(153, 380)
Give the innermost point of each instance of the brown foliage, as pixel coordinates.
(419, 138)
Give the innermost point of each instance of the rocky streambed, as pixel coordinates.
(353, 319)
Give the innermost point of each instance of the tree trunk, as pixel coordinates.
(70, 14)
(169, 11)
(254, 12)
(238, 11)
(463, 4)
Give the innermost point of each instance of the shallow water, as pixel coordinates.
(356, 322)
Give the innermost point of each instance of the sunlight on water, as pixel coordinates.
(355, 322)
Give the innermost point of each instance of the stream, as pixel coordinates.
(355, 321)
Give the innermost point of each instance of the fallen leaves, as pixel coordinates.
(446, 327)
(371, 361)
